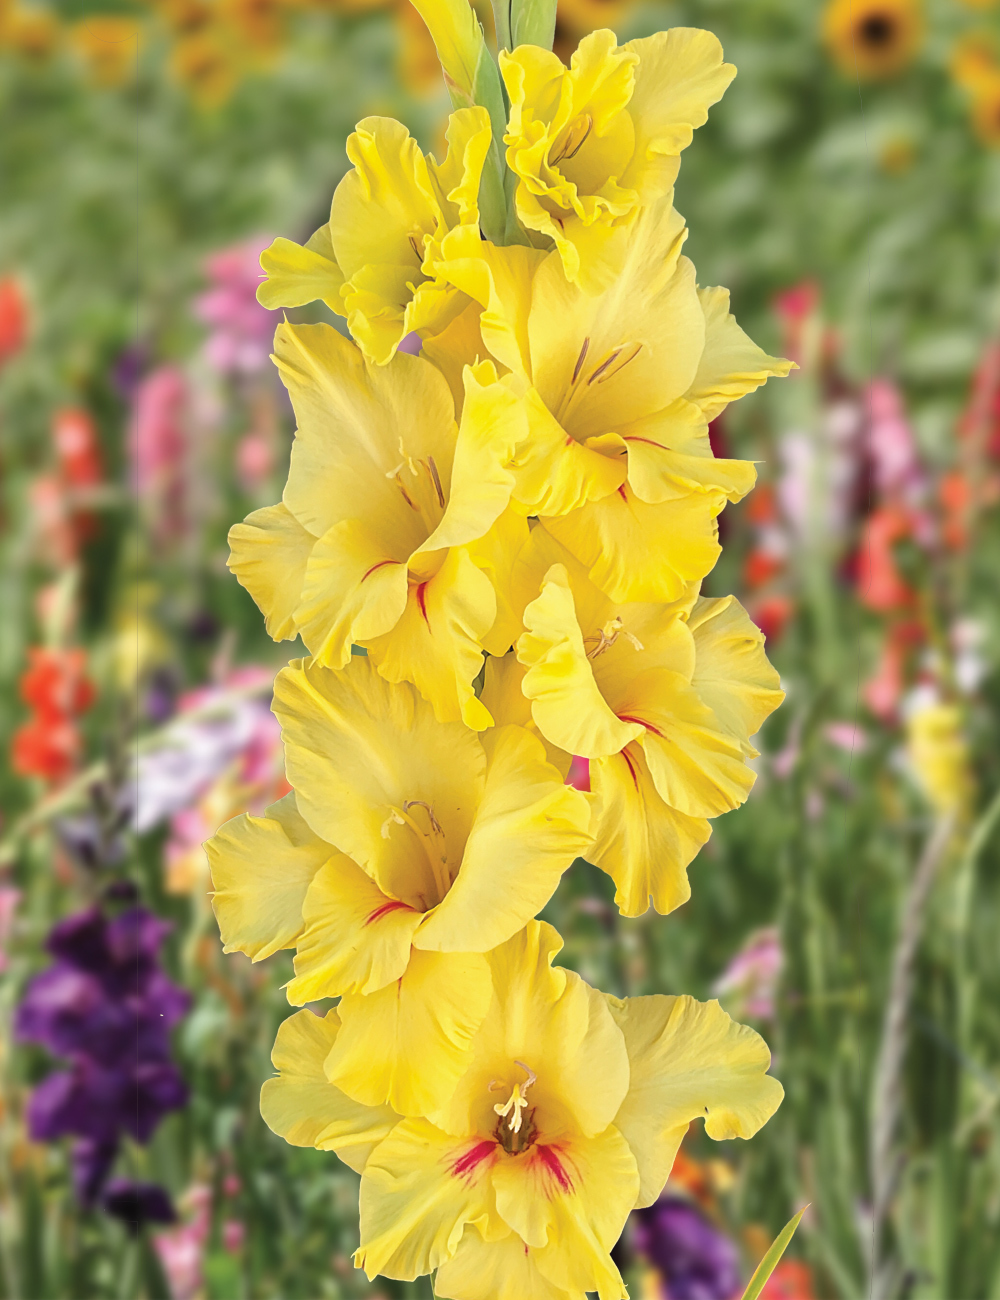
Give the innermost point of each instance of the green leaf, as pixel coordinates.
(770, 1261)
(533, 22)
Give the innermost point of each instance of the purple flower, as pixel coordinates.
(107, 1009)
(137, 1203)
(697, 1261)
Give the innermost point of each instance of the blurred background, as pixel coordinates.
(847, 191)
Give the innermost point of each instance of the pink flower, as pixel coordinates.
(846, 736)
(233, 1235)
(751, 978)
(240, 341)
(579, 773)
(9, 899)
(254, 460)
(157, 448)
(896, 466)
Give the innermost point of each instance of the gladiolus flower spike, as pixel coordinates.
(501, 503)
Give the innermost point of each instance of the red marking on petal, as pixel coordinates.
(422, 602)
(631, 769)
(621, 493)
(549, 1157)
(466, 1165)
(377, 566)
(628, 717)
(392, 906)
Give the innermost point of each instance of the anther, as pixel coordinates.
(603, 371)
(516, 1102)
(580, 360)
(437, 480)
(419, 803)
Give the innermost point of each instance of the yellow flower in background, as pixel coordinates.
(186, 17)
(569, 1115)
(938, 755)
(373, 261)
(445, 846)
(595, 143)
(973, 60)
(257, 24)
(109, 46)
(663, 700)
(32, 32)
(386, 537)
(986, 109)
(619, 388)
(873, 38)
(207, 66)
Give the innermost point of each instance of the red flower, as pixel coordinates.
(880, 584)
(13, 318)
(55, 683)
(791, 1280)
(45, 747)
(771, 614)
(760, 567)
(75, 437)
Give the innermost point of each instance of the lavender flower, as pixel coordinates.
(695, 1260)
(107, 1009)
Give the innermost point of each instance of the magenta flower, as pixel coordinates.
(241, 329)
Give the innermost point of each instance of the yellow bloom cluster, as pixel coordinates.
(500, 507)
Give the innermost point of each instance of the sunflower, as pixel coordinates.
(108, 45)
(986, 109)
(873, 38)
(203, 64)
(973, 60)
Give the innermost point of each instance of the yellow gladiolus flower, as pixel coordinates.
(569, 1115)
(662, 698)
(445, 846)
(595, 143)
(387, 533)
(938, 755)
(619, 388)
(373, 261)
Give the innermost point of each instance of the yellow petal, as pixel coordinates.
(732, 365)
(297, 275)
(261, 869)
(355, 939)
(495, 554)
(458, 345)
(602, 361)
(635, 551)
(437, 643)
(305, 1109)
(551, 1020)
(680, 74)
(555, 473)
(569, 1201)
(350, 417)
(642, 843)
(458, 39)
(269, 552)
(500, 281)
(732, 675)
(419, 1190)
(697, 767)
(352, 591)
(669, 453)
(495, 1270)
(468, 136)
(356, 749)
(494, 422)
(503, 696)
(528, 831)
(688, 1061)
(566, 704)
(410, 1043)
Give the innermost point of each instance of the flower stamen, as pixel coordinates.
(516, 1102)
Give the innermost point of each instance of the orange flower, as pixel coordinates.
(13, 318)
(873, 38)
(880, 585)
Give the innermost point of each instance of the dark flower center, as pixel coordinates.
(514, 1142)
(877, 30)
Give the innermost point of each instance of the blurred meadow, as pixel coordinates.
(847, 191)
